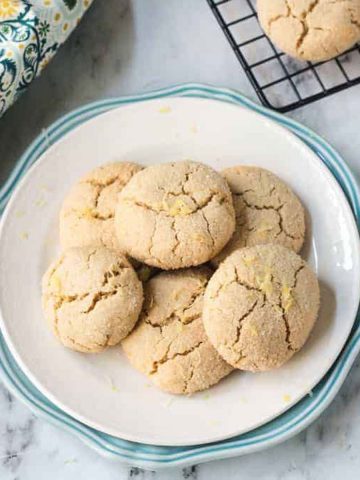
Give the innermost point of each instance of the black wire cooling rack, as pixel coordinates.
(280, 81)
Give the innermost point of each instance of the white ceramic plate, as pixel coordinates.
(102, 390)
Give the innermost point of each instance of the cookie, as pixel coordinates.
(311, 30)
(87, 213)
(91, 297)
(260, 306)
(267, 211)
(175, 215)
(169, 343)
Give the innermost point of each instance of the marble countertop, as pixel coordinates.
(123, 47)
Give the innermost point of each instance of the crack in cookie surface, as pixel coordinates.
(254, 301)
(186, 211)
(281, 220)
(169, 343)
(266, 211)
(77, 297)
(87, 213)
(167, 358)
(315, 32)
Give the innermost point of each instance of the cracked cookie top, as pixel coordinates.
(91, 298)
(169, 343)
(87, 213)
(266, 210)
(175, 215)
(314, 30)
(260, 306)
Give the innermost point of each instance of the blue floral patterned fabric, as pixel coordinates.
(30, 34)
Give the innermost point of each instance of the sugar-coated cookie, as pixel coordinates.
(266, 209)
(311, 30)
(169, 343)
(175, 215)
(87, 214)
(260, 306)
(92, 298)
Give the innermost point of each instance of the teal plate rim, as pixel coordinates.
(155, 457)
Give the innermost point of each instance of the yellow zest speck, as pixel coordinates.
(179, 327)
(19, 213)
(264, 227)
(55, 283)
(253, 330)
(86, 213)
(148, 385)
(70, 460)
(194, 129)
(24, 235)
(286, 398)
(112, 385)
(249, 260)
(9, 53)
(287, 298)
(199, 238)
(206, 396)
(264, 283)
(178, 208)
(164, 109)
(40, 202)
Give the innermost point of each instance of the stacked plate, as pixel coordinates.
(100, 398)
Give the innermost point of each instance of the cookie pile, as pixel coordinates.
(194, 271)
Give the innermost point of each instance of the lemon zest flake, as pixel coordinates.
(264, 227)
(264, 282)
(199, 238)
(113, 387)
(86, 213)
(253, 330)
(179, 327)
(55, 283)
(19, 213)
(286, 398)
(249, 260)
(165, 109)
(40, 202)
(287, 297)
(178, 208)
